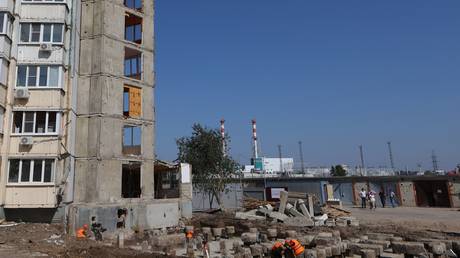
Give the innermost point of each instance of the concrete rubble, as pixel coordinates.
(256, 243)
(297, 209)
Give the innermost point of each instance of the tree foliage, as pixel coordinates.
(338, 170)
(211, 169)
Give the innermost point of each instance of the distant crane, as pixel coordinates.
(435, 161)
(390, 152)
(301, 158)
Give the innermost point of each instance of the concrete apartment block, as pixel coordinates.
(77, 110)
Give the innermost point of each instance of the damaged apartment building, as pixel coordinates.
(77, 110)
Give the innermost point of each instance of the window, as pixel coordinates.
(133, 64)
(39, 76)
(131, 180)
(40, 122)
(42, 32)
(2, 116)
(133, 28)
(134, 4)
(2, 22)
(58, 1)
(5, 23)
(132, 101)
(132, 140)
(31, 170)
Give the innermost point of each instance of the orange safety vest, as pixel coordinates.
(81, 233)
(189, 234)
(277, 245)
(296, 247)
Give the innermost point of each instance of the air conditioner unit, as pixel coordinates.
(26, 141)
(46, 47)
(21, 93)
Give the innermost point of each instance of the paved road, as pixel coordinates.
(424, 218)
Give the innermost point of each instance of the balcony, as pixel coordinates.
(42, 98)
(7, 5)
(31, 53)
(41, 145)
(30, 196)
(43, 12)
(5, 47)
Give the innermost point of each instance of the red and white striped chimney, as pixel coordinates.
(222, 134)
(254, 138)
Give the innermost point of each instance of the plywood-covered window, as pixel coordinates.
(132, 101)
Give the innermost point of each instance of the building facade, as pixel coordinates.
(77, 106)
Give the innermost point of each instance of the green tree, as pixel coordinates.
(212, 170)
(338, 170)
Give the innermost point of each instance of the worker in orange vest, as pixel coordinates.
(293, 248)
(277, 250)
(189, 235)
(82, 232)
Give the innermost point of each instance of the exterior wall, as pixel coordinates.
(232, 198)
(454, 192)
(344, 192)
(357, 186)
(407, 194)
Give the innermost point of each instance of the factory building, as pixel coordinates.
(77, 113)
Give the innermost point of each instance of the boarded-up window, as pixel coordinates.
(132, 101)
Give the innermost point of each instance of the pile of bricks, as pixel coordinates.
(296, 209)
(223, 242)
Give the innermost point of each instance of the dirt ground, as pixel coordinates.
(435, 219)
(44, 240)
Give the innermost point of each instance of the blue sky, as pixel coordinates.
(333, 74)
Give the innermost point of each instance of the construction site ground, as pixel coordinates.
(44, 240)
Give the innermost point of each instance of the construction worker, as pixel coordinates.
(293, 248)
(82, 232)
(277, 250)
(290, 249)
(189, 235)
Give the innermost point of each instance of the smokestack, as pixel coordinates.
(254, 138)
(222, 134)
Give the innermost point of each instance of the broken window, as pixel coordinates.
(132, 101)
(132, 140)
(131, 180)
(30, 170)
(134, 4)
(133, 64)
(133, 28)
(39, 122)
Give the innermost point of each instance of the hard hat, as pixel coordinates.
(85, 226)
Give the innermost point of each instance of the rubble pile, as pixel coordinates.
(324, 244)
(297, 209)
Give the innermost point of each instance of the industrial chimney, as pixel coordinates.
(254, 138)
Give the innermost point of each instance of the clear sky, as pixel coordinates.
(333, 74)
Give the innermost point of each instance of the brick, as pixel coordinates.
(437, 248)
(367, 253)
(385, 244)
(391, 255)
(306, 240)
(320, 252)
(272, 233)
(410, 248)
(310, 253)
(379, 236)
(299, 222)
(256, 250)
(336, 250)
(249, 238)
(356, 247)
